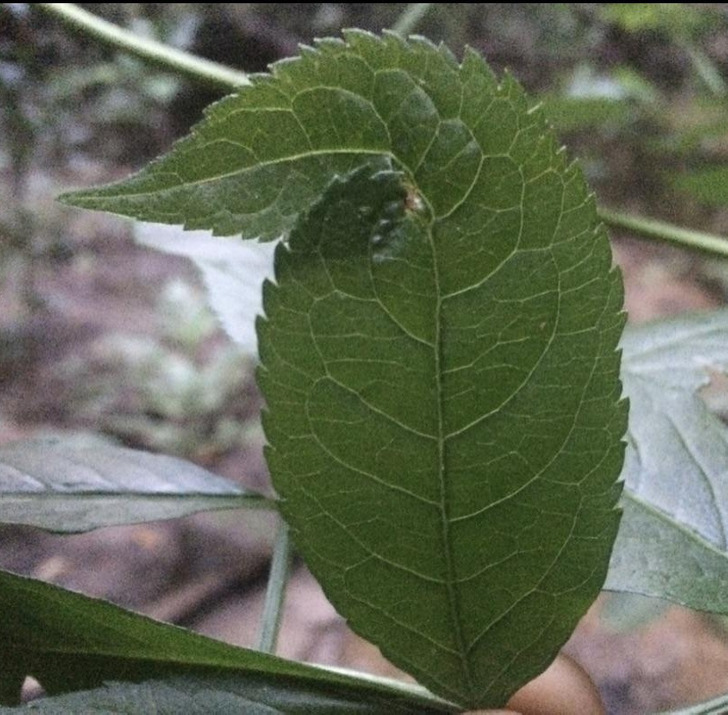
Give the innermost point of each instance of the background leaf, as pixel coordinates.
(673, 539)
(203, 695)
(709, 186)
(71, 642)
(233, 273)
(74, 485)
(716, 706)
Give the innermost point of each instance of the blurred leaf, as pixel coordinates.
(709, 186)
(676, 19)
(716, 706)
(635, 85)
(625, 612)
(706, 69)
(571, 113)
(673, 538)
(72, 642)
(75, 485)
(233, 273)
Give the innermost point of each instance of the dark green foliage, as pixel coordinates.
(439, 357)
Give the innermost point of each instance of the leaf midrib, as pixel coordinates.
(442, 459)
(80, 200)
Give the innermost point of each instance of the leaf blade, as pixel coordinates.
(70, 642)
(672, 543)
(388, 373)
(199, 695)
(74, 485)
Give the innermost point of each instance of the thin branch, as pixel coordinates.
(410, 18)
(649, 228)
(157, 53)
(275, 594)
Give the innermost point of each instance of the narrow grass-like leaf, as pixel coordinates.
(716, 706)
(74, 485)
(673, 542)
(72, 642)
(439, 355)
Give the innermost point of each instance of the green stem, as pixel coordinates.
(706, 70)
(649, 228)
(157, 53)
(275, 594)
(410, 18)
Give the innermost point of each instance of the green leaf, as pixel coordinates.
(202, 696)
(673, 542)
(570, 114)
(76, 484)
(674, 19)
(442, 377)
(72, 642)
(445, 436)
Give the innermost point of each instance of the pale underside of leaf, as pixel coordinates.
(440, 367)
(673, 540)
(233, 273)
(75, 485)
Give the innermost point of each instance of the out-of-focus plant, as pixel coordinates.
(635, 123)
(182, 392)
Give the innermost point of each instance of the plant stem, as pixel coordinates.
(276, 591)
(687, 238)
(706, 70)
(157, 53)
(410, 17)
